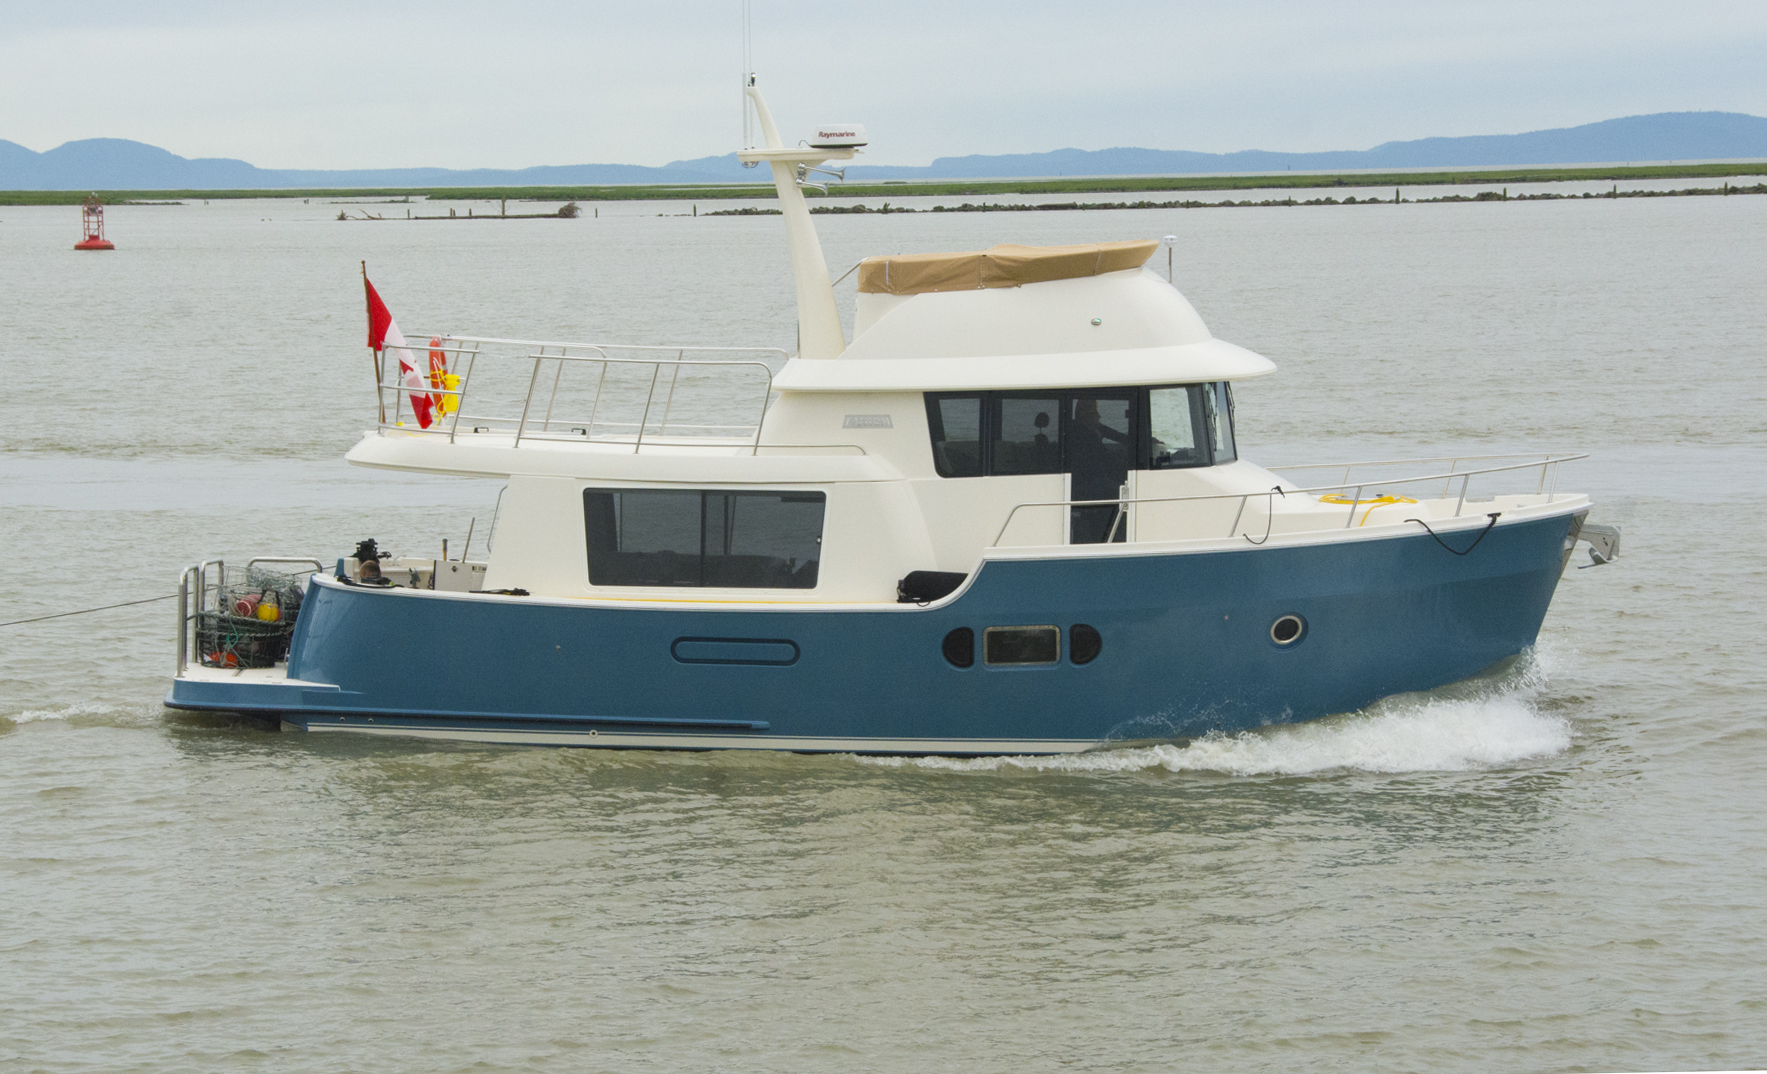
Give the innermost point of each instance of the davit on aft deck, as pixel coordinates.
(1010, 516)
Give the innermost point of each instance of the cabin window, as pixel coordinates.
(703, 537)
(956, 424)
(1219, 400)
(1097, 435)
(1178, 427)
(1021, 645)
(1027, 434)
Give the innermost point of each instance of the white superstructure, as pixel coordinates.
(1009, 514)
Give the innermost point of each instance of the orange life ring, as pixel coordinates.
(438, 363)
(439, 377)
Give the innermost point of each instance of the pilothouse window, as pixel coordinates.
(1178, 427)
(1096, 434)
(1219, 399)
(703, 537)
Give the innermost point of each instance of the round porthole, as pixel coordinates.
(960, 647)
(1288, 630)
(1084, 643)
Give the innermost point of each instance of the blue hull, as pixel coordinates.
(1186, 650)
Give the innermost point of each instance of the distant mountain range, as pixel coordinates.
(120, 164)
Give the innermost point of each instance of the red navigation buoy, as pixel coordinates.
(92, 223)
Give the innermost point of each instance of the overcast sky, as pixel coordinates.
(343, 84)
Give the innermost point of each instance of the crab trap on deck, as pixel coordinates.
(248, 620)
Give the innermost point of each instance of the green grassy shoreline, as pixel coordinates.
(1278, 180)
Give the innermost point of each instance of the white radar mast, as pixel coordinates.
(819, 324)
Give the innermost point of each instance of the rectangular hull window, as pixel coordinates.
(713, 538)
(1021, 645)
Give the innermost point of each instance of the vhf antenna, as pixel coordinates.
(748, 75)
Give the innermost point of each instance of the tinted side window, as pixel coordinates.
(956, 425)
(1027, 435)
(668, 537)
(1178, 426)
(643, 538)
(763, 540)
(1219, 399)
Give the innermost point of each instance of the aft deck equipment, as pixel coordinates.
(1009, 516)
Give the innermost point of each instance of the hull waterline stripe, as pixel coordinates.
(315, 711)
(796, 744)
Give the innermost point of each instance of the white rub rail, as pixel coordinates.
(539, 417)
(1547, 464)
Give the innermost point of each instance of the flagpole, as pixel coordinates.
(374, 357)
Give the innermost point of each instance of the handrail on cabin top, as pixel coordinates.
(471, 347)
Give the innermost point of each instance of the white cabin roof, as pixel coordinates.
(1195, 363)
(1121, 327)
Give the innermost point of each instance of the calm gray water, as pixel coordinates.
(1556, 868)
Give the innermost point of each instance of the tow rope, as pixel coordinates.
(87, 611)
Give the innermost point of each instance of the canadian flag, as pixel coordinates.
(384, 335)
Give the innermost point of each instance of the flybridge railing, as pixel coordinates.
(1547, 486)
(609, 393)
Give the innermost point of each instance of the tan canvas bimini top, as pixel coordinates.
(998, 266)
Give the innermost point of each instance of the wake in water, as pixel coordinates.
(1469, 725)
(90, 713)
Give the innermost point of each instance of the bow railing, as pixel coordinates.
(1546, 486)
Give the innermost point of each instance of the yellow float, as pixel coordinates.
(1372, 502)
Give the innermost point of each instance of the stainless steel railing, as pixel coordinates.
(539, 404)
(1543, 460)
(1545, 463)
(195, 585)
(194, 582)
(1548, 464)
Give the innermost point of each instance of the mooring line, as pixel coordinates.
(87, 611)
(1493, 516)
